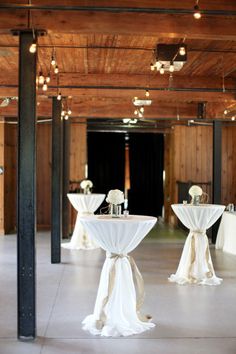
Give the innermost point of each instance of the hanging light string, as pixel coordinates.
(197, 14)
(33, 46)
(59, 96)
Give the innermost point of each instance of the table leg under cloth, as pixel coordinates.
(195, 264)
(80, 239)
(117, 307)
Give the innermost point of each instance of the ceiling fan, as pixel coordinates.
(7, 100)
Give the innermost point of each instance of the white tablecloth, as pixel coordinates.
(117, 306)
(85, 204)
(195, 264)
(226, 237)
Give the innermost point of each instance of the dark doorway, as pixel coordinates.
(146, 174)
(106, 161)
(106, 168)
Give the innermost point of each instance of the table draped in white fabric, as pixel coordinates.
(195, 264)
(85, 204)
(118, 303)
(226, 236)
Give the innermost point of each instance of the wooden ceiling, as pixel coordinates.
(104, 50)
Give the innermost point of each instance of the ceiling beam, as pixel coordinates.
(119, 22)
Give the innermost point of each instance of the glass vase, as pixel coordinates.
(115, 211)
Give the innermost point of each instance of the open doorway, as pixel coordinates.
(106, 168)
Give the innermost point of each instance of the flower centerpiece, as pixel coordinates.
(86, 186)
(195, 192)
(115, 197)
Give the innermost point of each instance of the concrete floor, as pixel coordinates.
(190, 319)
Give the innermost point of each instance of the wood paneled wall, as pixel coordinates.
(8, 159)
(188, 157)
(78, 158)
(228, 165)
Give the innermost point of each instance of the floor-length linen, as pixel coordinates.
(117, 237)
(195, 264)
(226, 236)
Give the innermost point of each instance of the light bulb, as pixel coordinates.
(142, 109)
(59, 96)
(53, 61)
(63, 113)
(162, 70)
(140, 115)
(197, 14)
(69, 111)
(225, 111)
(41, 78)
(233, 118)
(147, 94)
(126, 120)
(33, 47)
(136, 112)
(134, 121)
(48, 78)
(66, 117)
(45, 86)
(182, 50)
(171, 68)
(152, 67)
(56, 70)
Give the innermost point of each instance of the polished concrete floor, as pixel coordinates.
(189, 319)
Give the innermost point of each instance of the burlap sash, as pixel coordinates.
(209, 274)
(111, 282)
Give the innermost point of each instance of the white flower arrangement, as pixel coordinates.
(115, 196)
(195, 191)
(86, 185)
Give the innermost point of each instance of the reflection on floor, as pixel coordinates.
(189, 319)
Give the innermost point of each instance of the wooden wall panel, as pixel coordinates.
(78, 158)
(188, 157)
(228, 165)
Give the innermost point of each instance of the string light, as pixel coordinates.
(45, 86)
(225, 111)
(33, 47)
(171, 68)
(162, 70)
(66, 117)
(53, 61)
(56, 70)
(147, 93)
(197, 14)
(48, 78)
(69, 111)
(59, 96)
(126, 120)
(41, 78)
(182, 50)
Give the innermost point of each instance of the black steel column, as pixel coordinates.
(56, 202)
(217, 157)
(26, 206)
(66, 173)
